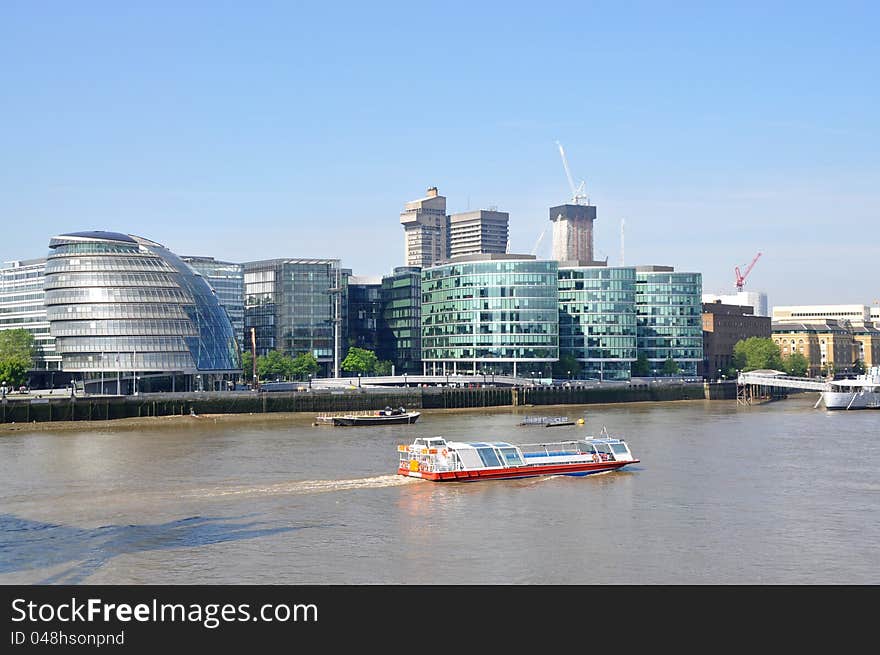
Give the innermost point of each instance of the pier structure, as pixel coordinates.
(752, 386)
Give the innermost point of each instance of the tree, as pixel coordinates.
(303, 365)
(360, 360)
(567, 367)
(796, 364)
(641, 368)
(247, 365)
(757, 353)
(858, 367)
(670, 367)
(16, 356)
(383, 367)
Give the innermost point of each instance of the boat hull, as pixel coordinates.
(375, 420)
(851, 399)
(578, 469)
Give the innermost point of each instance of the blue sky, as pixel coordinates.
(297, 129)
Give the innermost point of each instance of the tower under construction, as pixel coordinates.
(573, 233)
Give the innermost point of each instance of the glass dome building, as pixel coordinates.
(129, 315)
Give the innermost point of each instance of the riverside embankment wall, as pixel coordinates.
(96, 408)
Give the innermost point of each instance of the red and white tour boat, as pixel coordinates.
(439, 460)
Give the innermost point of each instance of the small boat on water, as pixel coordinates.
(387, 416)
(861, 392)
(548, 421)
(439, 460)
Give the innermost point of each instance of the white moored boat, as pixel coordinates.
(861, 392)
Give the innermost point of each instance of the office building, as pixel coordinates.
(296, 306)
(476, 232)
(669, 318)
(400, 329)
(425, 227)
(490, 313)
(827, 344)
(21, 306)
(723, 327)
(852, 313)
(364, 294)
(129, 315)
(757, 300)
(227, 279)
(597, 320)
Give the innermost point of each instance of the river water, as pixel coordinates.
(780, 493)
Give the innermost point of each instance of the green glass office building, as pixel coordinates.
(400, 335)
(669, 319)
(490, 313)
(597, 320)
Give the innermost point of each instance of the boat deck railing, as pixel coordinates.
(541, 420)
(357, 412)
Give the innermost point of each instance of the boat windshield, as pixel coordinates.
(619, 448)
(511, 457)
(488, 456)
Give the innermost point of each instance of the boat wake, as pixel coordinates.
(304, 487)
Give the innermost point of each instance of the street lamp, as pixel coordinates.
(569, 376)
(359, 380)
(310, 380)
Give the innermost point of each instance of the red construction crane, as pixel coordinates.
(741, 277)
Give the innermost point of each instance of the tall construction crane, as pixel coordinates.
(577, 192)
(741, 277)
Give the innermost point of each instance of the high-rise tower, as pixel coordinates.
(573, 233)
(425, 229)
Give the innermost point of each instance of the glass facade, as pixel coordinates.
(597, 320)
(227, 280)
(295, 306)
(669, 319)
(121, 303)
(22, 306)
(489, 313)
(364, 312)
(400, 332)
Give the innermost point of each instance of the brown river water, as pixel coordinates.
(780, 493)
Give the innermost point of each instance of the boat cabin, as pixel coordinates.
(437, 454)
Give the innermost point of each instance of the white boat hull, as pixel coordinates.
(851, 399)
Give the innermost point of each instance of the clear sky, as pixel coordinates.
(251, 130)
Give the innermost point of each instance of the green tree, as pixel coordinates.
(359, 360)
(670, 367)
(303, 365)
(567, 366)
(383, 367)
(16, 356)
(247, 365)
(795, 364)
(641, 368)
(858, 367)
(757, 353)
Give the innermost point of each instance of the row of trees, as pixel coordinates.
(278, 365)
(756, 353)
(275, 365)
(16, 356)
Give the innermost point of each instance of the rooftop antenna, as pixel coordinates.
(577, 192)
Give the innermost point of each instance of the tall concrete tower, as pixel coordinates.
(425, 226)
(573, 233)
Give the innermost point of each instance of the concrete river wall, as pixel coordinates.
(25, 409)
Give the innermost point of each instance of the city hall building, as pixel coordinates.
(128, 315)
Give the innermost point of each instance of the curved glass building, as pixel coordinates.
(130, 315)
(490, 313)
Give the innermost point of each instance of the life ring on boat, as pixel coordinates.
(444, 452)
(595, 457)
